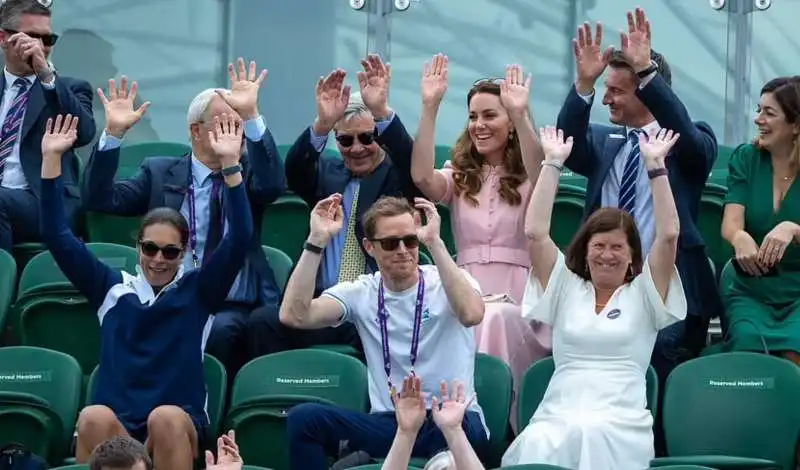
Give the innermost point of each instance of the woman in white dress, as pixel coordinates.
(606, 305)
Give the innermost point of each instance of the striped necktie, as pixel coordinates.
(13, 122)
(630, 175)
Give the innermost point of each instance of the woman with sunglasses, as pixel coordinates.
(154, 324)
(487, 185)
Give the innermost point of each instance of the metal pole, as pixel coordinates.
(737, 89)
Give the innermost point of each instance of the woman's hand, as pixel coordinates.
(409, 405)
(775, 243)
(746, 253)
(556, 149)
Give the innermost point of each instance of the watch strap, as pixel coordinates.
(312, 248)
(656, 172)
(653, 68)
(232, 170)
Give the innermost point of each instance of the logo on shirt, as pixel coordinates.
(426, 315)
(614, 314)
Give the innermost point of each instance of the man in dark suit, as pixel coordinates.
(640, 99)
(368, 134)
(32, 92)
(190, 184)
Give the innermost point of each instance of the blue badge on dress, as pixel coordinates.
(613, 314)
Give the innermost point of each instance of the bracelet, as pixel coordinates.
(312, 248)
(555, 165)
(656, 172)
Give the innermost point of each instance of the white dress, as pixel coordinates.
(593, 415)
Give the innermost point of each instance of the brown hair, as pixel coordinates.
(165, 216)
(468, 163)
(604, 220)
(121, 452)
(387, 206)
(786, 91)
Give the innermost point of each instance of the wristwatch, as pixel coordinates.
(232, 170)
(653, 68)
(312, 248)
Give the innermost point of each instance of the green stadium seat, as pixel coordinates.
(534, 466)
(267, 387)
(132, 156)
(494, 387)
(8, 282)
(24, 252)
(683, 467)
(285, 225)
(566, 220)
(734, 410)
(710, 225)
(78, 466)
(442, 154)
(281, 265)
(40, 394)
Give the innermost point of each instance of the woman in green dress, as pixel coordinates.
(762, 223)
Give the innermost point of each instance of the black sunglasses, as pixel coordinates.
(393, 243)
(495, 80)
(346, 140)
(47, 39)
(170, 252)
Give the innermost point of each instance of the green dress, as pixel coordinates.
(762, 313)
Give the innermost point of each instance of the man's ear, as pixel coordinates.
(368, 246)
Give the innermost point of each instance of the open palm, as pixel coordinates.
(243, 97)
(515, 90)
(448, 411)
(434, 80)
(60, 135)
(556, 148)
(409, 405)
(332, 98)
(226, 138)
(656, 146)
(590, 58)
(635, 44)
(118, 106)
(374, 83)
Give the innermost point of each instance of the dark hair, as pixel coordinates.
(166, 216)
(619, 61)
(786, 91)
(119, 452)
(604, 220)
(468, 163)
(387, 206)
(11, 10)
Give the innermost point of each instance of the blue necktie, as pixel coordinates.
(216, 224)
(630, 175)
(13, 121)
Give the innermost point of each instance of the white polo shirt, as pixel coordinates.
(446, 347)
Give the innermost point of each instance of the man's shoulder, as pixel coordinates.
(161, 162)
(72, 82)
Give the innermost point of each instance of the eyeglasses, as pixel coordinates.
(47, 39)
(44, 3)
(347, 140)
(393, 243)
(170, 252)
(494, 80)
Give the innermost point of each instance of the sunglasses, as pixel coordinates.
(495, 80)
(47, 39)
(347, 140)
(170, 252)
(393, 243)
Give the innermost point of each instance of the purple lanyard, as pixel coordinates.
(193, 223)
(382, 318)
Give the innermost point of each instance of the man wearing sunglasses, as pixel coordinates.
(190, 184)
(368, 136)
(31, 92)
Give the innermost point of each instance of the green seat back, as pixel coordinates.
(78, 466)
(684, 467)
(446, 228)
(253, 467)
(534, 466)
(378, 466)
(738, 404)
(267, 387)
(24, 252)
(709, 222)
(442, 154)
(281, 265)
(424, 258)
(52, 379)
(8, 281)
(567, 219)
(285, 225)
(537, 377)
(216, 386)
(131, 157)
(494, 385)
(109, 228)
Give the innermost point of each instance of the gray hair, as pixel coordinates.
(12, 10)
(441, 461)
(200, 103)
(356, 108)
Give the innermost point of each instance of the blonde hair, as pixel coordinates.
(441, 461)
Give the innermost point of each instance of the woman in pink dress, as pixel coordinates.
(487, 186)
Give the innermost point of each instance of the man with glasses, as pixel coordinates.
(32, 91)
(413, 321)
(367, 132)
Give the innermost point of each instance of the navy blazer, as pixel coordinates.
(688, 164)
(314, 178)
(163, 181)
(70, 96)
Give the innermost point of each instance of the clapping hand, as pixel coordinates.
(515, 91)
(228, 457)
(434, 80)
(243, 97)
(332, 99)
(656, 146)
(428, 233)
(635, 43)
(326, 220)
(556, 149)
(226, 139)
(409, 405)
(118, 105)
(448, 411)
(59, 136)
(590, 59)
(374, 84)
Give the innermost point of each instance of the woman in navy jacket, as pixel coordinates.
(154, 324)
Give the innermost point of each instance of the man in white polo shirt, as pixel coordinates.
(411, 319)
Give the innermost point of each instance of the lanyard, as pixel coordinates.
(382, 318)
(217, 188)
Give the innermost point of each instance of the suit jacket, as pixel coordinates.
(70, 96)
(688, 164)
(314, 178)
(163, 181)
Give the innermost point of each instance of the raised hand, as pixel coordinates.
(428, 233)
(243, 97)
(656, 146)
(515, 91)
(448, 412)
(59, 136)
(590, 58)
(635, 43)
(226, 138)
(374, 84)
(327, 219)
(434, 80)
(332, 98)
(31, 50)
(409, 405)
(775, 243)
(118, 105)
(228, 457)
(556, 149)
